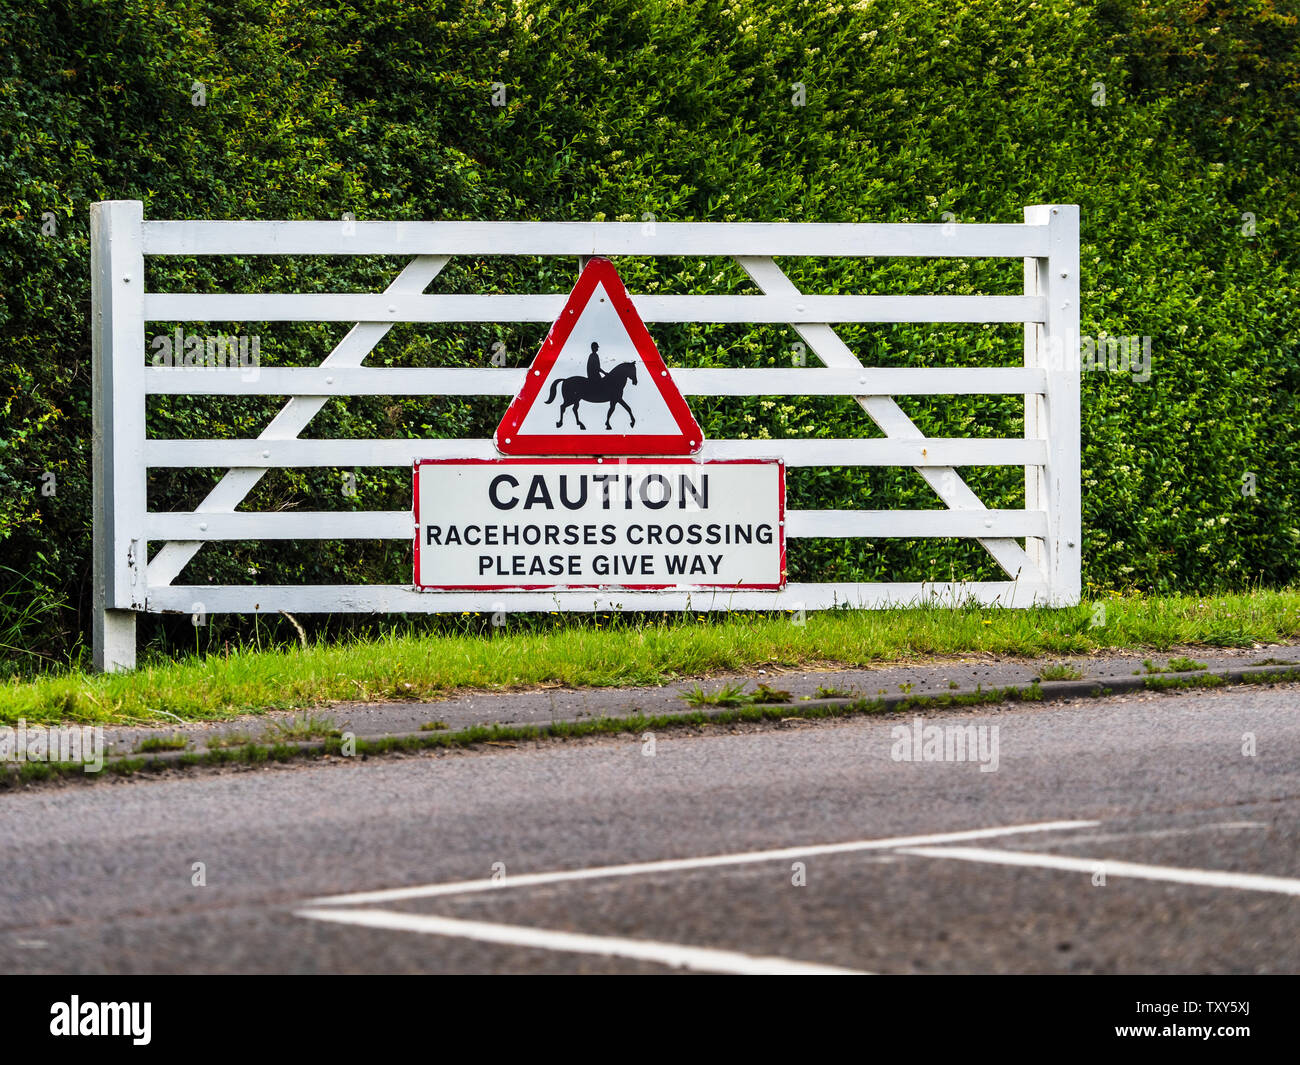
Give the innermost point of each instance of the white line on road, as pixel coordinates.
(1153, 833)
(1199, 877)
(681, 957)
(672, 865)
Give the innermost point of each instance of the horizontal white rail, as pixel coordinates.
(915, 524)
(403, 599)
(977, 240)
(926, 451)
(382, 307)
(399, 525)
(385, 381)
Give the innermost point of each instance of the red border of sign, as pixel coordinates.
(690, 438)
(415, 496)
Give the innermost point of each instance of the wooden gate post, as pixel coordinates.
(118, 401)
(1054, 415)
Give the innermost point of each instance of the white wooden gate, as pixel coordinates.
(1045, 570)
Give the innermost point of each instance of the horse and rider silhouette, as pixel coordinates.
(597, 387)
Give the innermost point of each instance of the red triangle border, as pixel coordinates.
(689, 439)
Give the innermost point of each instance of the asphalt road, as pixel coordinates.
(1157, 846)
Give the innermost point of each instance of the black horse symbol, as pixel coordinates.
(609, 389)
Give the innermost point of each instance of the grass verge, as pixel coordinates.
(350, 746)
(475, 735)
(620, 650)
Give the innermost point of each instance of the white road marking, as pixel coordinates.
(672, 865)
(1153, 833)
(1199, 877)
(681, 957)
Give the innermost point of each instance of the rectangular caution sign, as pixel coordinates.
(533, 524)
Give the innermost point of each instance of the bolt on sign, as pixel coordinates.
(598, 488)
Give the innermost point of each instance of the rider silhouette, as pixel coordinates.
(594, 372)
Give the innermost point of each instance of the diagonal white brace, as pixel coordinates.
(889, 416)
(351, 351)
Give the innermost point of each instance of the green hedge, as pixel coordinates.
(619, 108)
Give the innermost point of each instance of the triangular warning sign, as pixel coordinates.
(598, 385)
